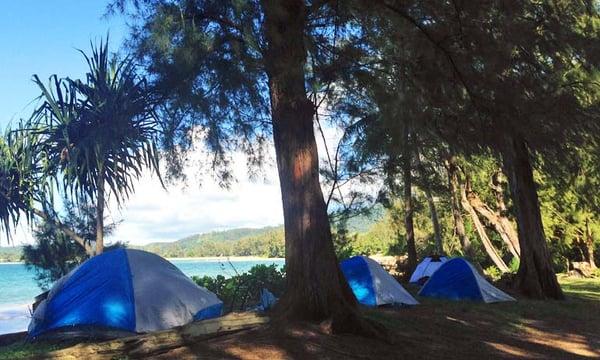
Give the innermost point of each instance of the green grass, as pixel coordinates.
(22, 350)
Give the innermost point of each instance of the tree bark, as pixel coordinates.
(408, 202)
(500, 223)
(535, 278)
(589, 245)
(100, 214)
(485, 240)
(437, 230)
(459, 224)
(316, 288)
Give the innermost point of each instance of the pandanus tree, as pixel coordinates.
(98, 134)
(25, 189)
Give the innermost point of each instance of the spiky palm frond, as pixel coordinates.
(22, 176)
(101, 128)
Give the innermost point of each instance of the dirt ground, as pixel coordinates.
(526, 329)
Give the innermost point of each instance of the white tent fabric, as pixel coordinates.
(426, 268)
(489, 292)
(387, 289)
(124, 289)
(164, 296)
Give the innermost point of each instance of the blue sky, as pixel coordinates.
(41, 37)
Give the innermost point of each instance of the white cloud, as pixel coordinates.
(155, 214)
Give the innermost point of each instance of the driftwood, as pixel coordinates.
(142, 346)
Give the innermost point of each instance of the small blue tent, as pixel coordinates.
(372, 285)
(457, 279)
(124, 289)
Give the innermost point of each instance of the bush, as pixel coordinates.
(242, 291)
(493, 273)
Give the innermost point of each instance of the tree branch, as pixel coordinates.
(62, 227)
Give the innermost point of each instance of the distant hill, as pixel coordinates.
(266, 241)
(10, 253)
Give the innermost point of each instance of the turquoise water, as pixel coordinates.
(18, 286)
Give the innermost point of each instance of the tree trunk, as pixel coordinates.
(408, 202)
(498, 184)
(100, 214)
(437, 230)
(62, 227)
(500, 223)
(459, 224)
(485, 240)
(589, 245)
(536, 277)
(316, 288)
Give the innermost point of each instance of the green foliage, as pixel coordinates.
(242, 291)
(100, 129)
(54, 253)
(264, 242)
(11, 254)
(22, 176)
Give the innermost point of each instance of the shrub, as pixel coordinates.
(242, 291)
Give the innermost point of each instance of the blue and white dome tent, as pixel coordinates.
(125, 289)
(372, 285)
(457, 279)
(426, 268)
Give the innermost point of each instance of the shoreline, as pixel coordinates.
(225, 258)
(202, 258)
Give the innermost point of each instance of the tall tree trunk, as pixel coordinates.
(504, 229)
(316, 288)
(459, 224)
(498, 184)
(589, 245)
(100, 214)
(437, 230)
(485, 240)
(536, 277)
(408, 202)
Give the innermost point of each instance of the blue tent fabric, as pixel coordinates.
(372, 285)
(357, 274)
(124, 289)
(458, 280)
(92, 297)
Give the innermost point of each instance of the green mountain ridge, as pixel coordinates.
(266, 241)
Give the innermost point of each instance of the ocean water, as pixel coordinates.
(18, 286)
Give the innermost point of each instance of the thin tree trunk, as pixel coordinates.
(589, 245)
(485, 240)
(535, 278)
(316, 288)
(100, 214)
(437, 230)
(459, 224)
(498, 183)
(508, 235)
(408, 202)
(62, 227)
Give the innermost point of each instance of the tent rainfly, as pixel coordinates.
(372, 285)
(127, 290)
(457, 279)
(426, 268)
